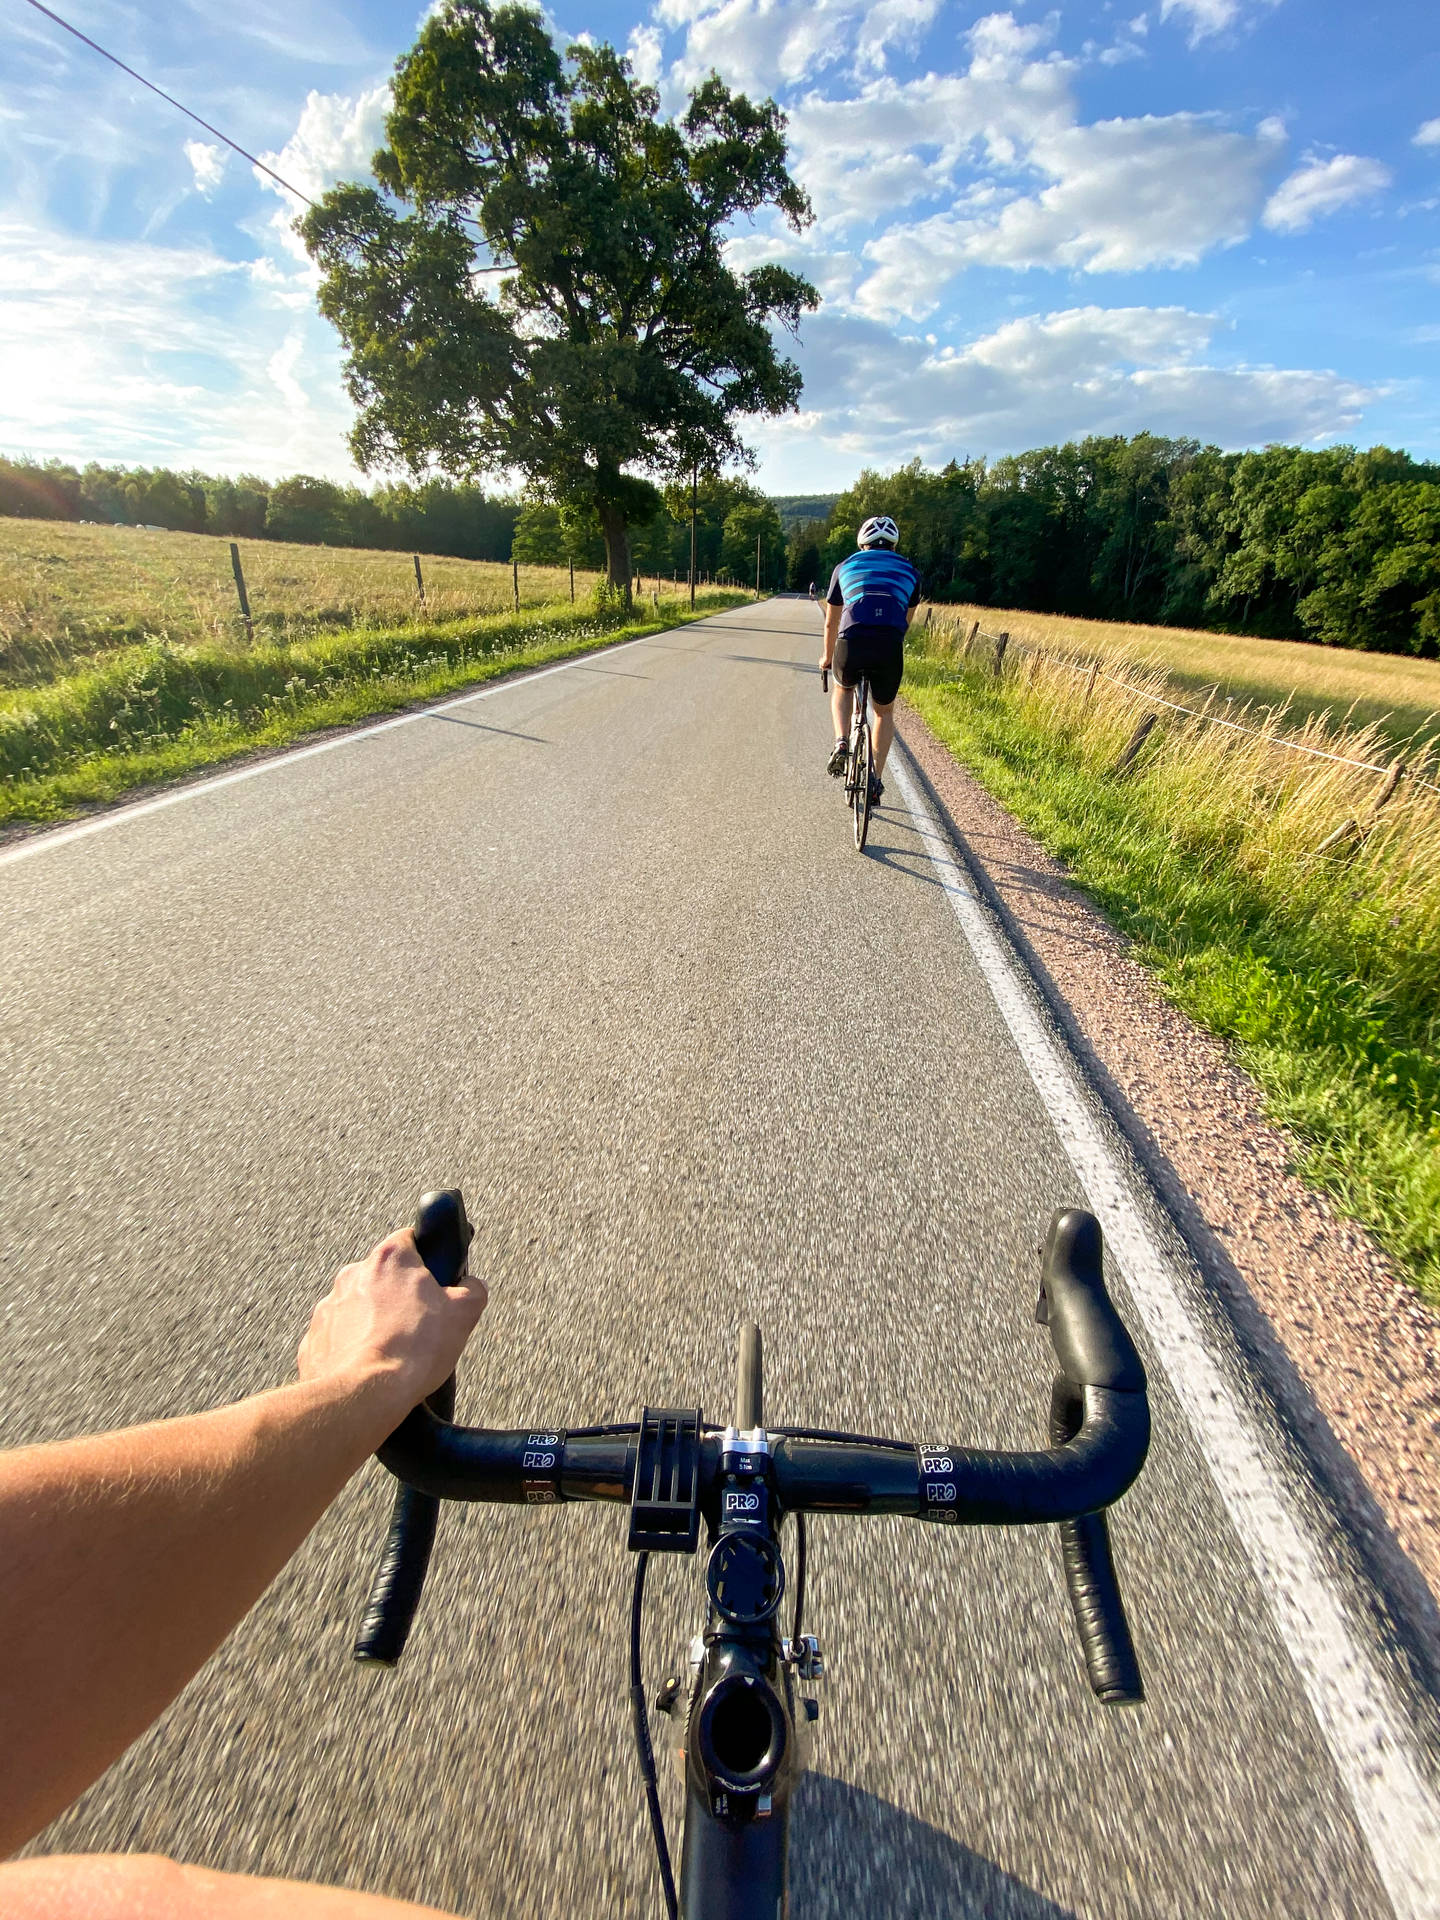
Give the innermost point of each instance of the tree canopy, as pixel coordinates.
(538, 280)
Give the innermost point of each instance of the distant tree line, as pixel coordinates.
(431, 516)
(1339, 546)
(434, 516)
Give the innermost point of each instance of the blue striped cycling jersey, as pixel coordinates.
(876, 587)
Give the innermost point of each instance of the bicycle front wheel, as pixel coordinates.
(861, 797)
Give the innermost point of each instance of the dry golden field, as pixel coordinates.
(69, 592)
(1394, 693)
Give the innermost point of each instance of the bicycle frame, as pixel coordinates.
(746, 1721)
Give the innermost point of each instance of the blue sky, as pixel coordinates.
(1209, 217)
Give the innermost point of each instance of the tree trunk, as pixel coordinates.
(617, 550)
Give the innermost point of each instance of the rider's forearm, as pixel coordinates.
(832, 632)
(129, 1556)
(142, 1886)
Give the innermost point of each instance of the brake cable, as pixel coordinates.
(646, 1751)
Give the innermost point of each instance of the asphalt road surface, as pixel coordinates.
(598, 946)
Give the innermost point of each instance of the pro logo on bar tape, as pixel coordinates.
(540, 1467)
(939, 1495)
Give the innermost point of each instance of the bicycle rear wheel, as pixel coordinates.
(860, 765)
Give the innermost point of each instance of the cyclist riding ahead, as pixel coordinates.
(869, 604)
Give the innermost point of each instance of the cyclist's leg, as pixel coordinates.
(842, 700)
(882, 732)
(885, 677)
(137, 1886)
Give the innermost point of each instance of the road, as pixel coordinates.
(597, 945)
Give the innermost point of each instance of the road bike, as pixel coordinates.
(743, 1709)
(859, 768)
(859, 761)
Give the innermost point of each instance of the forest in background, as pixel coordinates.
(1339, 546)
(432, 516)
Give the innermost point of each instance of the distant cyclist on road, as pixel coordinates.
(869, 604)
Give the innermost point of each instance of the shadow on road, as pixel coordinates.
(853, 1854)
(454, 720)
(913, 862)
(756, 660)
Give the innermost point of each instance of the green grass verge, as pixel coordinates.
(157, 712)
(1340, 1035)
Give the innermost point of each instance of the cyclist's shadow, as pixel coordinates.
(853, 1854)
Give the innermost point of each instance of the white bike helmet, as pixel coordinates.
(879, 531)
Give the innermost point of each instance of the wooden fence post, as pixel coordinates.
(1001, 643)
(1090, 683)
(1348, 838)
(1391, 782)
(419, 578)
(1137, 740)
(572, 583)
(515, 581)
(240, 589)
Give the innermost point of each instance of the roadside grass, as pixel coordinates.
(1395, 693)
(69, 593)
(157, 711)
(1321, 969)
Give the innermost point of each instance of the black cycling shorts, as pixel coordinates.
(877, 654)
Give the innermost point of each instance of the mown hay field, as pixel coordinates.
(70, 592)
(1395, 693)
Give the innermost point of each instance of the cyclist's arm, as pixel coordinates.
(138, 1886)
(129, 1556)
(832, 632)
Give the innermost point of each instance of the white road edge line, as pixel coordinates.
(46, 842)
(1361, 1720)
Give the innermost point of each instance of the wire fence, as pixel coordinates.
(1093, 670)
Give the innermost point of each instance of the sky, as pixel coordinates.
(1210, 218)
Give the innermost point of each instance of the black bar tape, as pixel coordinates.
(1090, 1579)
(399, 1579)
(1105, 1641)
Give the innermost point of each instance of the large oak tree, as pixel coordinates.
(538, 282)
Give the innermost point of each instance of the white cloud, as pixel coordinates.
(201, 360)
(1429, 134)
(892, 143)
(334, 140)
(761, 44)
(646, 55)
(1125, 194)
(892, 23)
(208, 164)
(1207, 17)
(1039, 379)
(1321, 187)
(1021, 182)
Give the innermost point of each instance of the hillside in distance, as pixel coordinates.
(795, 509)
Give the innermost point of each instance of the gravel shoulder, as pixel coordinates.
(1349, 1351)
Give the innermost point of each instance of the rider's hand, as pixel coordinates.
(826, 659)
(386, 1321)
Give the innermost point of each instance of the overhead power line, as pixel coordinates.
(234, 146)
